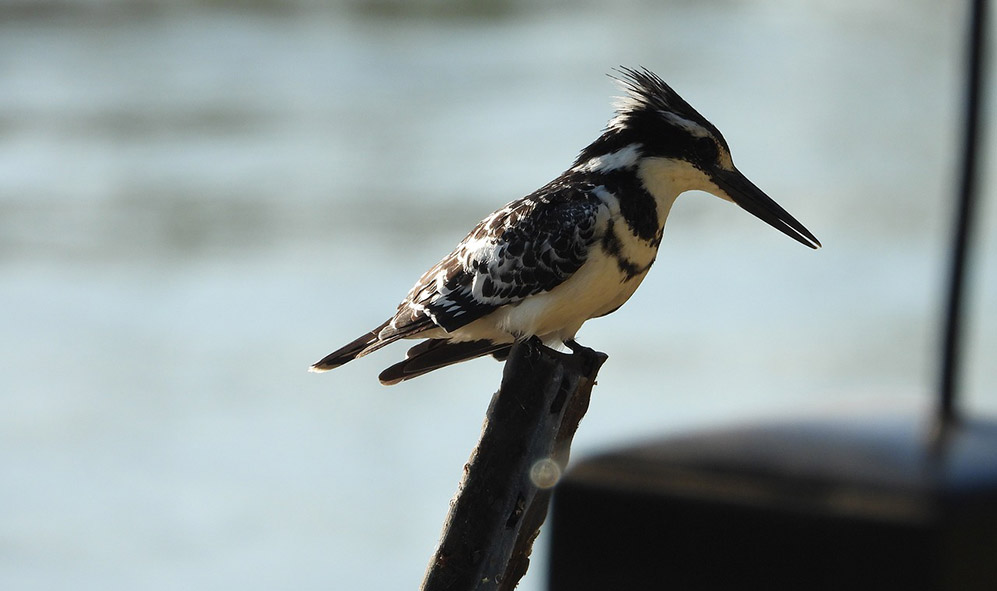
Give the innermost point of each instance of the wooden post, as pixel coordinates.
(503, 497)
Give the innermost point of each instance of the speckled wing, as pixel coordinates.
(528, 247)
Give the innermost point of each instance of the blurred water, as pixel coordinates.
(197, 201)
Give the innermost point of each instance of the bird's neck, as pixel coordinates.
(665, 181)
(646, 187)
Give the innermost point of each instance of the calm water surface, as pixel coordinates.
(198, 202)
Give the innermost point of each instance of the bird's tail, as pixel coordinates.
(364, 344)
(436, 353)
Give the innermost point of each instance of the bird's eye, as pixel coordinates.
(705, 149)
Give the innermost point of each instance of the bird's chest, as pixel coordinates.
(632, 226)
(596, 289)
(632, 250)
(615, 266)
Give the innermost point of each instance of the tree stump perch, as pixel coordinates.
(503, 497)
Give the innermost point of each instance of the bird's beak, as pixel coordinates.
(744, 193)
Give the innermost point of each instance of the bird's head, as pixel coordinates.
(672, 149)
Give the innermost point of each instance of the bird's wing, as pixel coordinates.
(528, 247)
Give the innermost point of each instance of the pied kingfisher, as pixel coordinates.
(576, 248)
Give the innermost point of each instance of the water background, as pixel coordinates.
(199, 199)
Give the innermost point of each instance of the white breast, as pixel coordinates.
(597, 288)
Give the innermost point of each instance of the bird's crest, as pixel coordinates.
(646, 92)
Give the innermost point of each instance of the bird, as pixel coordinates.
(575, 249)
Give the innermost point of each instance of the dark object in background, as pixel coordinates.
(846, 504)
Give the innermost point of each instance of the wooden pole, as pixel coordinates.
(503, 497)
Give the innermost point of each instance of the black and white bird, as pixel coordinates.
(576, 248)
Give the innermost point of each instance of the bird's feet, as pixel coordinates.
(586, 361)
(574, 346)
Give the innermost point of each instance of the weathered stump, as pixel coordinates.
(503, 497)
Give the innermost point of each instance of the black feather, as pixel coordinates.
(436, 353)
(356, 348)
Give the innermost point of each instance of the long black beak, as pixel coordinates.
(744, 193)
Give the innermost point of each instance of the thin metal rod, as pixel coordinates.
(964, 216)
